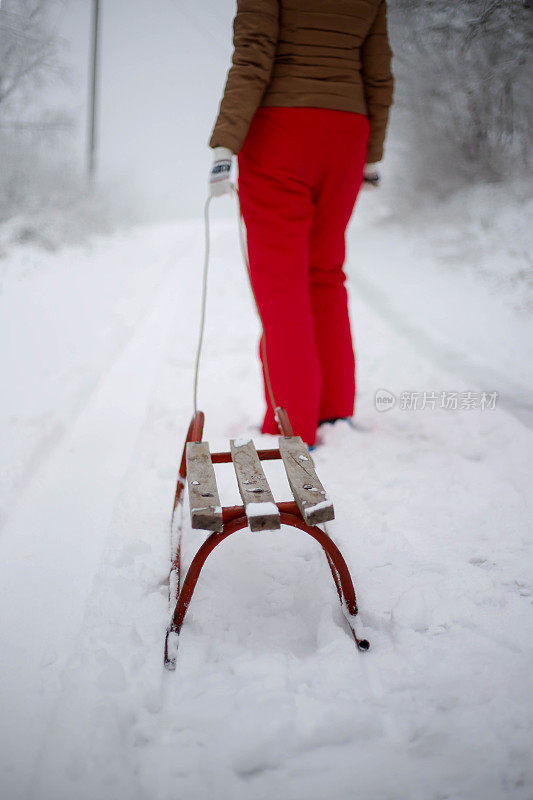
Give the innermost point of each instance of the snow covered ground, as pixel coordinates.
(433, 515)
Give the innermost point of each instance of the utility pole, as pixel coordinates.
(93, 69)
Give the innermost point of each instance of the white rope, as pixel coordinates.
(207, 252)
(244, 250)
(204, 299)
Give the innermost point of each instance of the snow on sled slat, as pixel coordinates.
(309, 494)
(261, 509)
(206, 511)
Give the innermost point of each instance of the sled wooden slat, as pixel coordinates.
(261, 510)
(206, 511)
(309, 494)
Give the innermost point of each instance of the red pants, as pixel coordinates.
(300, 170)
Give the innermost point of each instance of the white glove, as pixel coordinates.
(220, 175)
(371, 176)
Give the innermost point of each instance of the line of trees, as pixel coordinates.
(463, 76)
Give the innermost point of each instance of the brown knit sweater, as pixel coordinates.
(320, 53)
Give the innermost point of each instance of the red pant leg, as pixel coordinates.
(336, 193)
(299, 173)
(277, 209)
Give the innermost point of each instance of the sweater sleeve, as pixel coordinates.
(255, 37)
(378, 81)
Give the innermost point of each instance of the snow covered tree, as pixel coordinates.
(30, 60)
(464, 78)
(29, 53)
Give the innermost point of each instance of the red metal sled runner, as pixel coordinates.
(258, 512)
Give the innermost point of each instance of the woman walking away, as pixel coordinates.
(306, 107)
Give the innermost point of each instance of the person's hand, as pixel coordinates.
(371, 176)
(220, 175)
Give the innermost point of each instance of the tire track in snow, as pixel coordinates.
(44, 598)
(48, 444)
(513, 397)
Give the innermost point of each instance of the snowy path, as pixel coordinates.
(270, 696)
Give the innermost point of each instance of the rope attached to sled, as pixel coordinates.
(207, 249)
(207, 253)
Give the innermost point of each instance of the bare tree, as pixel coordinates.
(29, 55)
(31, 159)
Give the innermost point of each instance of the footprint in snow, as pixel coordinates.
(415, 608)
(112, 677)
(474, 455)
(482, 563)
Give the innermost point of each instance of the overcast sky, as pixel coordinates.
(163, 67)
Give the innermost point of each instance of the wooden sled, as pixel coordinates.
(310, 507)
